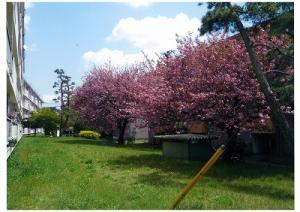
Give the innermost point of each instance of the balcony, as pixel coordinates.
(8, 53)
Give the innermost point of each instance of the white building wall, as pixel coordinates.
(134, 129)
(14, 69)
(137, 131)
(31, 102)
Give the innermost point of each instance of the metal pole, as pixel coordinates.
(199, 175)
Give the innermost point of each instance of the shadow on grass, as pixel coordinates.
(221, 174)
(158, 179)
(265, 190)
(106, 142)
(222, 171)
(167, 170)
(156, 161)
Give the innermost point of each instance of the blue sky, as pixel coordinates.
(75, 36)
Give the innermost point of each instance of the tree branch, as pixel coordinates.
(276, 71)
(270, 47)
(148, 60)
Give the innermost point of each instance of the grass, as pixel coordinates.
(77, 173)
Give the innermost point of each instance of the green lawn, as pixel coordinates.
(76, 173)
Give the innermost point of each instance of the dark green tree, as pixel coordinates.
(30, 122)
(75, 121)
(64, 91)
(280, 18)
(228, 17)
(45, 118)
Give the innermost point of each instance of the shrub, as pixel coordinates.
(12, 142)
(89, 134)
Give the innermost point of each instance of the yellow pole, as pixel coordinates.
(199, 175)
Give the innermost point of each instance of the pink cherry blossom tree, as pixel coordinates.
(211, 81)
(107, 98)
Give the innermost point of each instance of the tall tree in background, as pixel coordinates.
(64, 91)
(228, 17)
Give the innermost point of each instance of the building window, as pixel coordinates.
(7, 103)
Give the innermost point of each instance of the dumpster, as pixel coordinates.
(187, 146)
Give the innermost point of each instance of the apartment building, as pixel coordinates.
(31, 102)
(14, 70)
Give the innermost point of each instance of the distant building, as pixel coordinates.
(134, 130)
(14, 69)
(31, 102)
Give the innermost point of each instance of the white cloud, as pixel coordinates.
(154, 34)
(48, 98)
(32, 47)
(27, 20)
(116, 57)
(139, 3)
(25, 47)
(27, 17)
(28, 5)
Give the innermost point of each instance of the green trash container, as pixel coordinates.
(187, 146)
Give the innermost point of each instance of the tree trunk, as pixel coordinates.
(66, 111)
(61, 109)
(277, 116)
(122, 128)
(60, 126)
(65, 122)
(230, 151)
(150, 135)
(34, 131)
(47, 131)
